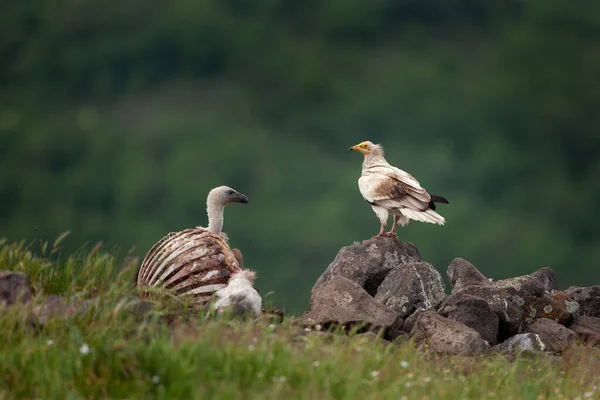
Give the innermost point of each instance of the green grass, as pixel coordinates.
(109, 353)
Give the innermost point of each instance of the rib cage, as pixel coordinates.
(191, 262)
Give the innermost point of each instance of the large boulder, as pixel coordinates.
(588, 298)
(509, 315)
(556, 337)
(587, 329)
(473, 312)
(411, 287)
(446, 336)
(517, 302)
(340, 301)
(367, 263)
(14, 287)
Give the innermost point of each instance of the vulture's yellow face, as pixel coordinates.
(364, 147)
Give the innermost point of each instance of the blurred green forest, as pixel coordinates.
(117, 118)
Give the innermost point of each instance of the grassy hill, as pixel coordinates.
(108, 351)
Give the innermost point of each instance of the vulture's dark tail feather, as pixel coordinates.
(437, 199)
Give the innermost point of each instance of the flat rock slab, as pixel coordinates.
(446, 336)
(522, 342)
(556, 337)
(411, 287)
(14, 287)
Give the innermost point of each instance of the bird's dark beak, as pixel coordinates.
(243, 198)
(350, 149)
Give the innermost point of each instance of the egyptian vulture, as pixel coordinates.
(389, 190)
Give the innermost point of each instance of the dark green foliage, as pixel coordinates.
(117, 118)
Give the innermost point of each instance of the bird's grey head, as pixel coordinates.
(225, 195)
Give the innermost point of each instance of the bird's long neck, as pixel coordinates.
(214, 209)
(373, 159)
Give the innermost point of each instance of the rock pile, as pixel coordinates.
(383, 284)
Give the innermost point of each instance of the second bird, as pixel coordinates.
(389, 190)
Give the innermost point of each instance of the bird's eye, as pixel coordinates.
(364, 146)
(230, 192)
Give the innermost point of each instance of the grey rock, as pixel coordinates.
(500, 302)
(342, 301)
(462, 273)
(410, 322)
(54, 307)
(588, 298)
(367, 263)
(556, 337)
(14, 287)
(474, 312)
(587, 329)
(134, 305)
(525, 287)
(446, 336)
(545, 277)
(522, 342)
(411, 287)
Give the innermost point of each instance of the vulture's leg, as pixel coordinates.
(394, 225)
(381, 232)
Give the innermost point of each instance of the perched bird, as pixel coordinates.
(389, 190)
(239, 295)
(194, 262)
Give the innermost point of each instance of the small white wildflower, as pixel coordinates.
(375, 374)
(316, 363)
(251, 347)
(491, 279)
(408, 384)
(404, 364)
(318, 327)
(84, 349)
(49, 342)
(307, 329)
(587, 395)
(427, 379)
(156, 379)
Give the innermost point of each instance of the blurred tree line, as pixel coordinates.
(117, 118)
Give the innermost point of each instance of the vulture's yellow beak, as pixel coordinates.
(361, 148)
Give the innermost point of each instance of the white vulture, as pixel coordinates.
(216, 201)
(194, 262)
(389, 190)
(239, 295)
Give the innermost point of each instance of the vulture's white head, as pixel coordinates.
(224, 195)
(367, 148)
